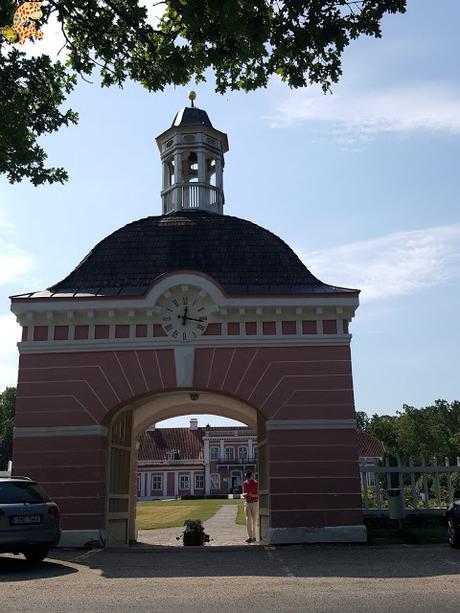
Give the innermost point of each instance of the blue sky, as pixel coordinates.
(363, 184)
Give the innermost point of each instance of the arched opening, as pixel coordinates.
(132, 420)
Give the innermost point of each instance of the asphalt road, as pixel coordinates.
(319, 578)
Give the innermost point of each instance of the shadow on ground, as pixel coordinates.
(18, 569)
(322, 561)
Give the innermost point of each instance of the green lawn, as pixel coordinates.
(240, 518)
(155, 514)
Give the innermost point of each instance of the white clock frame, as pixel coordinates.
(184, 312)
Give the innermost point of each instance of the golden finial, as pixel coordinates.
(192, 97)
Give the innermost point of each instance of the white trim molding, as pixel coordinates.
(87, 539)
(310, 424)
(327, 534)
(60, 431)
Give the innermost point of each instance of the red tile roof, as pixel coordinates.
(369, 446)
(155, 444)
(188, 444)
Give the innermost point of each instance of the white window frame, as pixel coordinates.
(246, 452)
(232, 455)
(214, 453)
(184, 478)
(199, 482)
(160, 478)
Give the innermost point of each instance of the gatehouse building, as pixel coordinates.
(190, 311)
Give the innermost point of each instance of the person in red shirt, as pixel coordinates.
(251, 506)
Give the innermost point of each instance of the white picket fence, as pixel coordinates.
(8, 471)
(426, 488)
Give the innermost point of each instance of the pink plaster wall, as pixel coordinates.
(313, 473)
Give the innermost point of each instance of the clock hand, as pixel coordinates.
(194, 319)
(184, 317)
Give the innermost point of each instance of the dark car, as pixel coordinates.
(453, 524)
(29, 520)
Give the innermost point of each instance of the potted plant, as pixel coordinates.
(194, 533)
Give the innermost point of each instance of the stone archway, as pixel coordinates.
(131, 421)
(67, 402)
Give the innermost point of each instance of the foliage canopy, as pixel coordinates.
(432, 431)
(7, 403)
(243, 42)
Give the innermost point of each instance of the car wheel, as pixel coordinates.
(453, 535)
(36, 554)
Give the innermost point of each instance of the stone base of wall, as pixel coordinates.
(88, 539)
(328, 534)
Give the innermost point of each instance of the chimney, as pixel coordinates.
(194, 423)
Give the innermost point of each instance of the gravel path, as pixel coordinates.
(221, 527)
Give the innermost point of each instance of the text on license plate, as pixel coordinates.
(26, 519)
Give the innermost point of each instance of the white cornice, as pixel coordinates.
(100, 303)
(121, 344)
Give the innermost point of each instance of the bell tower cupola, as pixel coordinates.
(192, 158)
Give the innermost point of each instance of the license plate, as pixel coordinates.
(26, 519)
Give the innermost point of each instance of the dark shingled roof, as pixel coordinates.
(240, 255)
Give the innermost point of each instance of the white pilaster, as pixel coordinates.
(222, 449)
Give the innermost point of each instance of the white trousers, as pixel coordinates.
(251, 511)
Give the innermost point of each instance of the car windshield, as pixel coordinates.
(16, 492)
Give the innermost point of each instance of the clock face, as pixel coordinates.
(184, 313)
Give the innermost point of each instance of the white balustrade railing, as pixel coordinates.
(425, 487)
(192, 196)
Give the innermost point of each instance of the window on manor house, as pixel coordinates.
(229, 451)
(157, 482)
(199, 482)
(215, 481)
(184, 483)
(170, 456)
(243, 453)
(254, 451)
(214, 453)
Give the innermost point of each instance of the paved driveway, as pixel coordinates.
(319, 578)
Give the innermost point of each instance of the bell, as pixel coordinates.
(192, 158)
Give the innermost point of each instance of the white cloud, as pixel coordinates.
(356, 113)
(10, 334)
(392, 265)
(14, 262)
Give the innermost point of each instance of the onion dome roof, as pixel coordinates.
(191, 116)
